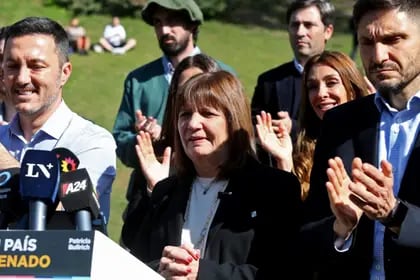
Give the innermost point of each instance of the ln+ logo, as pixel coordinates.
(34, 168)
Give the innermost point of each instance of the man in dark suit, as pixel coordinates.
(370, 149)
(310, 26)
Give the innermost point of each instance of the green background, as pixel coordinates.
(95, 87)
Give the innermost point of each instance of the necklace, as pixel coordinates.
(201, 240)
(205, 184)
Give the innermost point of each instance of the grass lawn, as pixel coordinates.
(95, 87)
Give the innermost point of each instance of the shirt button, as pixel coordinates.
(378, 267)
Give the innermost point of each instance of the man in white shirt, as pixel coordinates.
(35, 69)
(115, 39)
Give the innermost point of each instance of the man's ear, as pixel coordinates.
(65, 72)
(328, 32)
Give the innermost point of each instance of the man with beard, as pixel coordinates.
(176, 24)
(367, 157)
(278, 90)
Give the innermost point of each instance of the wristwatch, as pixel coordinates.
(397, 215)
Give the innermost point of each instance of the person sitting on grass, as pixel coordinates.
(78, 40)
(115, 39)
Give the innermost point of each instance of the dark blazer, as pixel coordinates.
(352, 130)
(278, 89)
(238, 243)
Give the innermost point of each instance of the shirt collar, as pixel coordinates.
(168, 67)
(298, 66)
(54, 126)
(383, 104)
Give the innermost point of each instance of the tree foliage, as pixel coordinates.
(210, 8)
(117, 7)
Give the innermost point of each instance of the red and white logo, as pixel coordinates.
(73, 187)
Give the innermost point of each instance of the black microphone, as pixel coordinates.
(67, 159)
(78, 196)
(39, 182)
(11, 204)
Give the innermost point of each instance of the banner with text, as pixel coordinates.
(46, 253)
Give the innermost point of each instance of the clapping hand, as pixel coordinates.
(374, 187)
(153, 170)
(147, 124)
(370, 192)
(346, 212)
(275, 140)
(285, 119)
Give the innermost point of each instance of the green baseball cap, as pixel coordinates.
(189, 6)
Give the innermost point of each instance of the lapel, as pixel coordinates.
(225, 206)
(288, 92)
(366, 144)
(409, 189)
(366, 140)
(236, 194)
(297, 87)
(169, 204)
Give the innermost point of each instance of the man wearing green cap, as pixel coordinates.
(176, 24)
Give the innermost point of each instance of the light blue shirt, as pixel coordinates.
(397, 133)
(298, 66)
(169, 69)
(93, 145)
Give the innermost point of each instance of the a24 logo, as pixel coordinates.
(74, 187)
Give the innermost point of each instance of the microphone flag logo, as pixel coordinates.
(68, 164)
(68, 161)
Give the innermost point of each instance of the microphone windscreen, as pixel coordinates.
(67, 159)
(77, 193)
(39, 176)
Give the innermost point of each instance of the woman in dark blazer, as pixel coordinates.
(214, 218)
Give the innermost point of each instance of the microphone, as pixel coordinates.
(67, 159)
(11, 205)
(222, 195)
(78, 196)
(39, 182)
